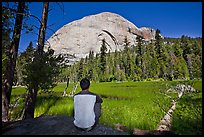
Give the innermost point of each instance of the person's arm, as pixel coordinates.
(97, 111)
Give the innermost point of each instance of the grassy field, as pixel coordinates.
(133, 104)
(187, 118)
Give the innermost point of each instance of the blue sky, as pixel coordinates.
(173, 19)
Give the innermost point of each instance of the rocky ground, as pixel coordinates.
(53, 125)
(63, 125)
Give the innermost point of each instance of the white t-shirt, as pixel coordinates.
(84, 110)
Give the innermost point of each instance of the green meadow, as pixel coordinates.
(133, 104)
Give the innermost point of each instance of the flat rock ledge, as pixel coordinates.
(53, 125)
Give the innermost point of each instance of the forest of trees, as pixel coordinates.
(162, 59)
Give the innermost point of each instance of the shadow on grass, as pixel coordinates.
(115, 97)
(46, 102)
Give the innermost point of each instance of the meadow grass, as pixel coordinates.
(187, 118)
(18, 90)
(133, 104)
(54, 106)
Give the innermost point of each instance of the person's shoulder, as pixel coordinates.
(92, 93)
(78, 93)
(85, 93)
(98, 98)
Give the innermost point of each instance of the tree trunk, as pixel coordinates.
(43, 26)
(189, 64)
(32, 95)
(13, 51)
(30, 103)
(65, 90)
(4, 107)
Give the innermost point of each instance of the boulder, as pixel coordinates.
(53, 125)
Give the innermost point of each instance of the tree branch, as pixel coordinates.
(25, 14)
(62, 8)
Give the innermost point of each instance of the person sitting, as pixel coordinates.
(87, 107)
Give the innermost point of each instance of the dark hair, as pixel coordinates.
(84, 83)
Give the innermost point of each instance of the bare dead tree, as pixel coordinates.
(41, 37)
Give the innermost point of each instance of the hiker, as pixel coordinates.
(87, 107)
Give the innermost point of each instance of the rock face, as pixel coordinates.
(76, 39)
(54, 125)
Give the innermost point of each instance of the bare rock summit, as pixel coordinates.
(76, 39)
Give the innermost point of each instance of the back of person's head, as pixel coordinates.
(84, 83)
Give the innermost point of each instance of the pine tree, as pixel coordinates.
(197, 59)
(23, 59)
(103, 50)
(127, 58)
(90, 65)
(158, 44)
(139, 58)
(161, 55)
(151, 62)
(80, 69)
(187, 50)
(110, 67)
(96, 70)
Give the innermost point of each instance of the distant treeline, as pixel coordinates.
(160, 59)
